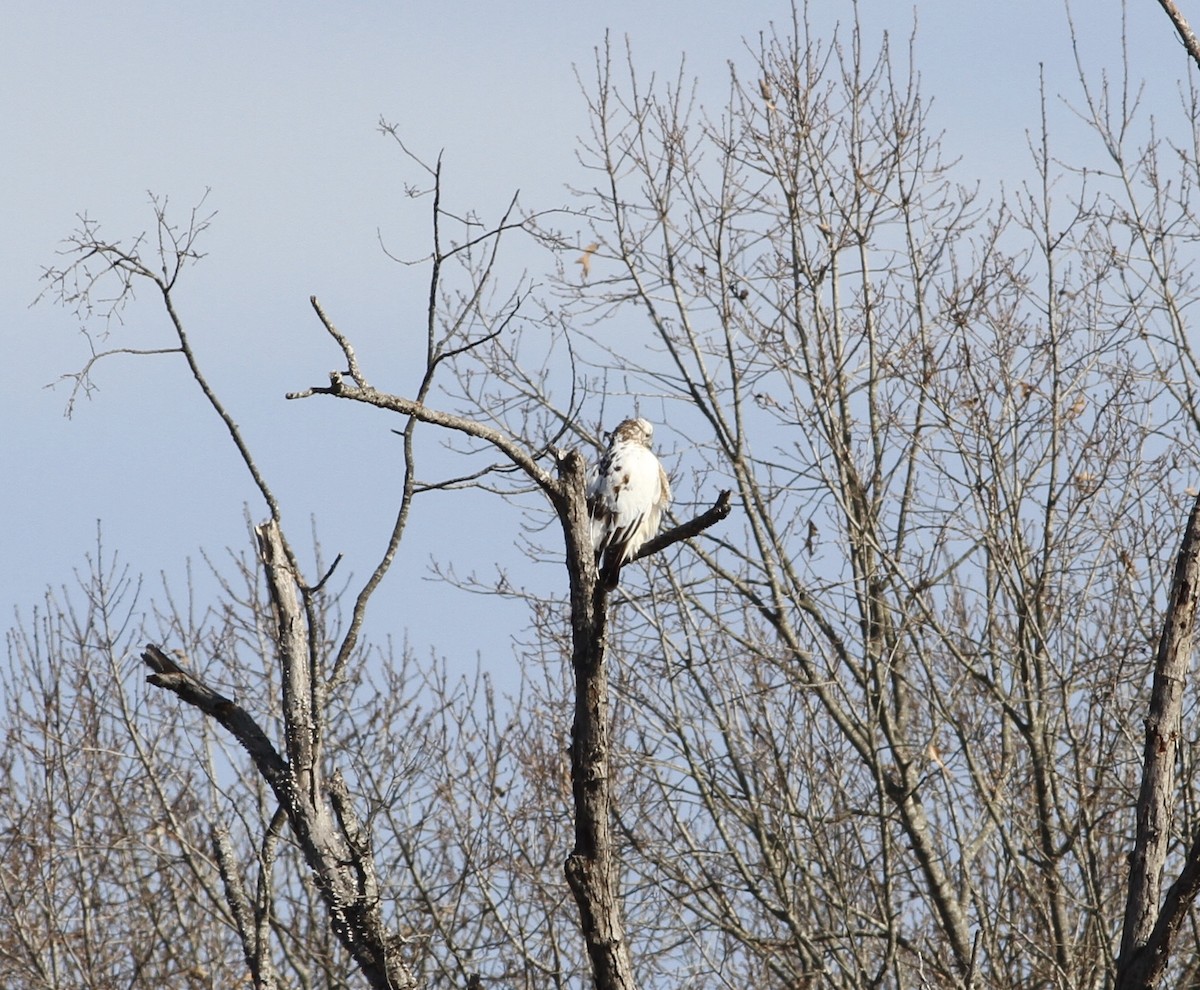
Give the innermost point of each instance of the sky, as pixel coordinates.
(269, 112)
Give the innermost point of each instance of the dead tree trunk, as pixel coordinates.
(1149, 927)
(591, 867)
(335, 844)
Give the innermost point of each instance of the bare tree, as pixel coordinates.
(882, 727)
(311, 793)
(127, 833)
(896, 742)
(591, 867)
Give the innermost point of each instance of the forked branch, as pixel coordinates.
(335, 843)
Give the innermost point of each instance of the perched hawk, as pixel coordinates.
(627, 492)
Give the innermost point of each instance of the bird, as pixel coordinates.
(627, 492)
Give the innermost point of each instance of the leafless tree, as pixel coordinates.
(310, 794)
(128, 831)
(893, 723)
(896, 721)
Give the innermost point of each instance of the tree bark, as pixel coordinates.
(1148, 930)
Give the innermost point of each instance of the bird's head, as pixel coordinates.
(634, 431)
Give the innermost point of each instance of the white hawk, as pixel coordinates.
(627, 493)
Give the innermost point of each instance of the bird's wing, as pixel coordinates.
(630, 497)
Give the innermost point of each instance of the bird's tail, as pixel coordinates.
(610, 568)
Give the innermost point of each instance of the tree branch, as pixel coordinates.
(172, 677)
(250, 933)
(1148, 930)
(301, 711)
(408, 407)
(685, 531)
(1183, 29)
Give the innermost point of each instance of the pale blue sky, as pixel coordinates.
(274, 107)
